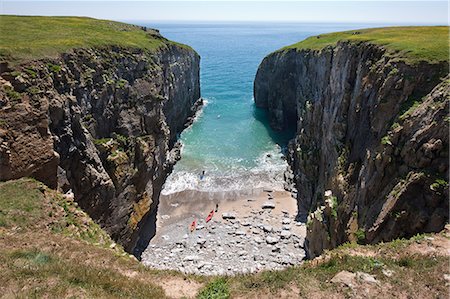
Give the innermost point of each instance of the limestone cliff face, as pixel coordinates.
(370, 156)
(102, 122)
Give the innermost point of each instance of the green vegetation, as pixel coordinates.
(386, 140)
(216, 289)
(102, 141)
(13, 95)
(439, 183)
(421, 43)
(360, 235)
(334, 205)
(54, 68)
(121, 83)
(25, 37)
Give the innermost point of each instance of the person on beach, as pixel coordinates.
(202, 176)
(217, 207)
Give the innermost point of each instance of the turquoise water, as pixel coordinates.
(231, 140)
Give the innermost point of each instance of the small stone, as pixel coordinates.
(228, 215)
(387, 272)
(201, 241)
(366, 277)
(177, 250)
(242, 252)
(165, 217)
(267, 228)
(113, 245)
(199, 227)
(286, 221)
(239, 233)
(190, 258)
(272, 240)
(285, 234)
(267, 190)
(268, 205)
(286, 227)
(344, 277)
(258, 240)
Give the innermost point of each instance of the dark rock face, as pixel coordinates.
(102, 122)
(372, 129)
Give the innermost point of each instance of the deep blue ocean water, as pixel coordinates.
(231, 139)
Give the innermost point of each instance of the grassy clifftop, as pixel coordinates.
(25, 37)
(418, 43)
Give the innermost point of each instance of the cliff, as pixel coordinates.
(370, 156)
(99, 117)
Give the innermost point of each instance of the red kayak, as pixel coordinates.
(193, 224)
(210, 216)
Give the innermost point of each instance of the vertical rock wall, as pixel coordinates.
(372, 129)
(103, 123)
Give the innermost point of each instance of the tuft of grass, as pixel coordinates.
(414, 43)
(360, 235)
(216, 289)
(54, 68)
(386, 140)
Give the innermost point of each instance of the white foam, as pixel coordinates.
(268, 173)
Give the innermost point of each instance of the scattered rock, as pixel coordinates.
(344, 277)
(229, 215)
(268, 205)
(272, 240)
(365, 277)
(201, 241)
(191, 258)
(387, 272)
(285, 234)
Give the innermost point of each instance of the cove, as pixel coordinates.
(231, 140)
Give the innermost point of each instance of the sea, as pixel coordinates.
(231, 140)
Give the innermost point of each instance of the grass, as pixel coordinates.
(26, 37)
(216, 289)
(415, 43)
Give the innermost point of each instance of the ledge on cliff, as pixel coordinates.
(414, 43)
(26, 37)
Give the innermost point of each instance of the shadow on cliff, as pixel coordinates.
(281, 138)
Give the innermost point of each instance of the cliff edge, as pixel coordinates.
(370, 156)
(95, 107)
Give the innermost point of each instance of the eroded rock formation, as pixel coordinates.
(102, 122)
(372, 131)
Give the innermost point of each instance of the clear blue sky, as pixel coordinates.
(411, 12)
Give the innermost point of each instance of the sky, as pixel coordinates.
(408, 12)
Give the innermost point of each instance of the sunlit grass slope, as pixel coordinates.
(419, 43)
(25, 37)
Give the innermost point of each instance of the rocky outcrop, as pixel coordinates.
(102, 122)
(372, 131)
